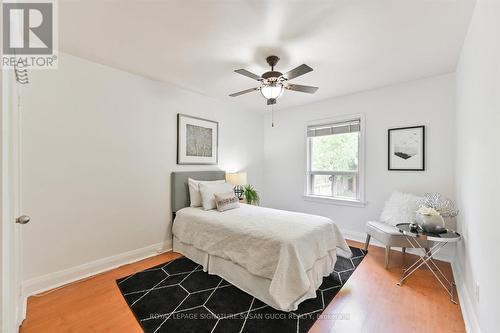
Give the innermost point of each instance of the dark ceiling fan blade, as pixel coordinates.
(301, 88)
(297, 71)
(248, 74)
(243, 92)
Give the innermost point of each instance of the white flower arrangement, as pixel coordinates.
(444, 206)
(428, 211)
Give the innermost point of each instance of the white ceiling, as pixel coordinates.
(352, 45)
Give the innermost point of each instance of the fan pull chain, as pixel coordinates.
(272, 115)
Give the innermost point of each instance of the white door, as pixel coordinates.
(11, 222)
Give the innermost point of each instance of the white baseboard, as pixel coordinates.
(445, 255)
(53, 280)
(470, 318)
(359, 237)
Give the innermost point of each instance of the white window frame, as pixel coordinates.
(360, 202)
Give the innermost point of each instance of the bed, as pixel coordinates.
(277, 256)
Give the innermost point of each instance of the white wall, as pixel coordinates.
(99, 145)
(427, 102)
(478, 165)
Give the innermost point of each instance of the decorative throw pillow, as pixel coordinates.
(226, 201)
(194, 190)
(208, 190)
(400, 208)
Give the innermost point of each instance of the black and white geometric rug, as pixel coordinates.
(178, 296)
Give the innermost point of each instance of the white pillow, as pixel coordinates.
(208, 190)
(194, 190)
(400, 208)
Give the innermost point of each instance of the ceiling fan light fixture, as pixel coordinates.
(273, 83)
(272, 91)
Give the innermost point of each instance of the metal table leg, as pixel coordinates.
(427, 259)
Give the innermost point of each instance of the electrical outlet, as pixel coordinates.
(477, 292)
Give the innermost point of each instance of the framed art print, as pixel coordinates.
(406, 148)
(197, 140)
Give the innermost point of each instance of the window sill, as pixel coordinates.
(334, 201)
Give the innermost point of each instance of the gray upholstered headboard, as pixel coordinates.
(179, 183)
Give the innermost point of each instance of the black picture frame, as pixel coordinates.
(422, 148)
(182, 160)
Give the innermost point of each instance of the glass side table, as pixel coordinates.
(426, 255)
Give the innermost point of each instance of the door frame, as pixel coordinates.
(13, 312)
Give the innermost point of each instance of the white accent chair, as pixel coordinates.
(399, 208)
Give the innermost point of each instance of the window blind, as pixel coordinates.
(333, 128)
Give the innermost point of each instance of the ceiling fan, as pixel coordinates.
(274, 83)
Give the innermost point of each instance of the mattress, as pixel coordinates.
(285, 253)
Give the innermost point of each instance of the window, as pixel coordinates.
(335, 160)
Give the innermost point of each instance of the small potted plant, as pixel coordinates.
(251, 195)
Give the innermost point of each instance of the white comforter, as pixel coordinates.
(275, 244)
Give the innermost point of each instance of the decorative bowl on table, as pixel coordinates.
(430, 223)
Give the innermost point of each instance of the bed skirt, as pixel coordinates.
(254, 285)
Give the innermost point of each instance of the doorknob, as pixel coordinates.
(23, 219)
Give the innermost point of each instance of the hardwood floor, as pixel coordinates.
(369, 302)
